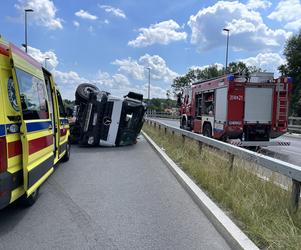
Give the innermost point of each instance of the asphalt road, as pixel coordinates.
(291, 154)
(110, 198)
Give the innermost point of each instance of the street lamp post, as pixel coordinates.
(45, 61)
(26, 10)
(228, 31)
(148, 94)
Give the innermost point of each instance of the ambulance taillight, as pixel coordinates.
(3, 155)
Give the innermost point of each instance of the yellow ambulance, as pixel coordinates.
(34, 129)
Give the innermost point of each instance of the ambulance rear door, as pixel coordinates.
(37, 136)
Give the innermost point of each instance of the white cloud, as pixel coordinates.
(289, 12)
(219, 66)
(68, 82)
(114, 11)
(266, 61)
(117, 84)
(121, 80)
(162, 33)
(76, 23)
(247, 29)
(40, 56)
(155, 91)
(293, 25)
(137, 69)
(105, 80)
(258, 4)
(44, 12)
(85, 15)
(159, 68)
(69, 78)
(131, 67)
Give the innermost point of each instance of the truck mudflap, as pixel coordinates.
(239, 143)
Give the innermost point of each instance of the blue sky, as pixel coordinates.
(111, 43)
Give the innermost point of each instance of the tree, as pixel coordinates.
(160, 104)
(181, 82)
(208, 72)
(68, 103)
(194, 75)
(292, 53)
(168, 100)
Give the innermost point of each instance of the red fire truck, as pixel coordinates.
(253, 109)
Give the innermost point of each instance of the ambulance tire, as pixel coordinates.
(29, 201)
(207, 130)
(66, 156)
(83, 91)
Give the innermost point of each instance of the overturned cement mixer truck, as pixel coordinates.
(106, 120)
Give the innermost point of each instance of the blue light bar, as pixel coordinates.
(289, 79)
(230, 77)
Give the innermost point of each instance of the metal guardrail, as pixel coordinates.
(156, 114)
(284, 168)
(294, 123)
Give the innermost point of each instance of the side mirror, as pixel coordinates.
(179, 100)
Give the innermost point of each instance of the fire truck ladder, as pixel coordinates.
(282, 105)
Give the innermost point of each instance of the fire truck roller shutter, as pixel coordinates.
(221, 105)
(258, 105)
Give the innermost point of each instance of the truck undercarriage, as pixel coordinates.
(105, 120)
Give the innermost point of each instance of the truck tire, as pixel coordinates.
(83, 92)
(183, 123)
(74, 134)
(207, 130)
(29, 201)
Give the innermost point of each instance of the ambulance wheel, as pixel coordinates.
(207, 130)
(66, 156)
(29, 201)
(83, 91)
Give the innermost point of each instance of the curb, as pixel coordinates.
(223, 224)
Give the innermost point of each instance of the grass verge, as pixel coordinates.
(260, 208)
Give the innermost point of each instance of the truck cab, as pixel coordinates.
(34, 130)
(106, 120)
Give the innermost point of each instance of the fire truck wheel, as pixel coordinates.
(207, 130)
(29, 201)
(183, 123)
(83, 91)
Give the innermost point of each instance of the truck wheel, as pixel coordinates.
(66, 156)
(74, 134)
(207, 130)
(29, 201)
(83, 91)
(183, 123)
